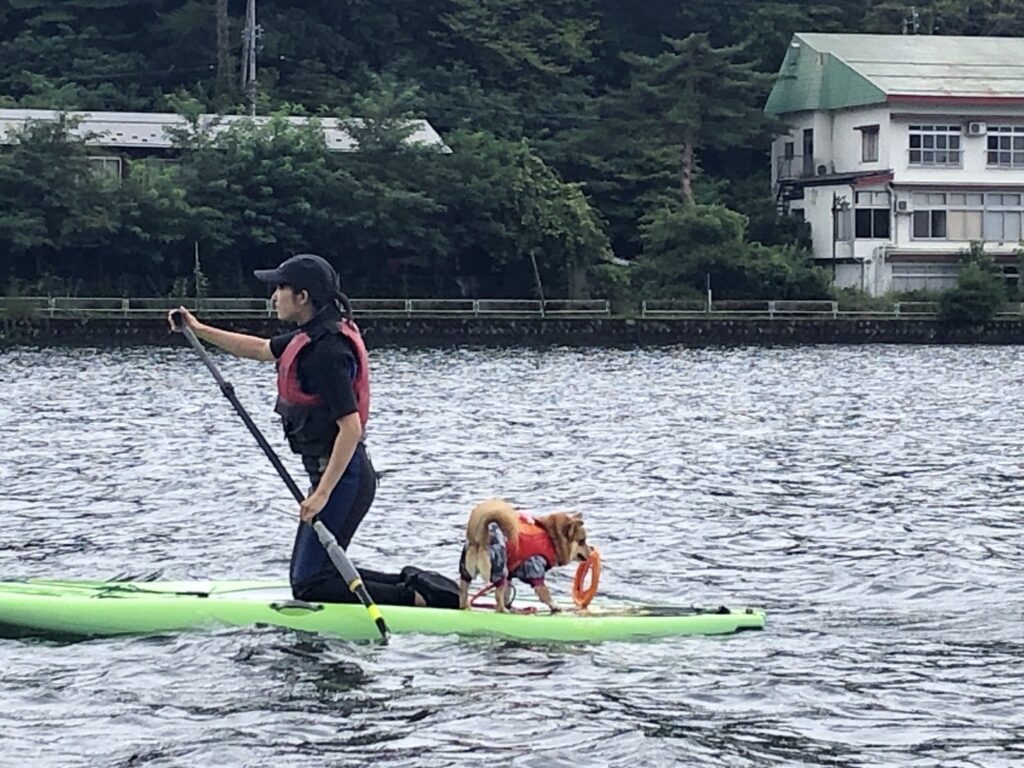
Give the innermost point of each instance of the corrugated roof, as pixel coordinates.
(146, 129)
(831, 71)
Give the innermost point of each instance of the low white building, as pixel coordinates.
(133, 135)
(901, 151)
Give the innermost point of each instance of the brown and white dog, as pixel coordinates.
(502, 542)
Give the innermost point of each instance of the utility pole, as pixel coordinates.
(840, 226)
(223, 47)
(912, 24)
(250, 33)
(540, 285)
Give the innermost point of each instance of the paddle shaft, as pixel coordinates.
(334, 550)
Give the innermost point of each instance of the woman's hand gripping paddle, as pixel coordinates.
(334, 549)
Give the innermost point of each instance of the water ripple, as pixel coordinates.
(868, 497)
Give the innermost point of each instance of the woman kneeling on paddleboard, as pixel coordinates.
(323, 388)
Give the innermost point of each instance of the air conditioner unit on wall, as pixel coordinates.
(904, 206)
(977, 129)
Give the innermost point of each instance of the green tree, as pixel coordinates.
(979, 293)
(684, 246)
(52, 201)
(503, 208)
(696, 96)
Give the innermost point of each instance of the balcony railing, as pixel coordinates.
(793, 168)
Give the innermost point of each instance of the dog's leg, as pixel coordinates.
(468, 568)
(544, 594)
(501, 598)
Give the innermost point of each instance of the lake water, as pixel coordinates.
(869, 498)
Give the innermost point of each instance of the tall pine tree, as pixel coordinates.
(695, 96)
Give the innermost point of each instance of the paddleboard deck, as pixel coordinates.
(77, 608)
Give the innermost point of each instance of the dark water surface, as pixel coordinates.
(870, 498)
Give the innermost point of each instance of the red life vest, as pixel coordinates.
(298, 408)
(533, 540)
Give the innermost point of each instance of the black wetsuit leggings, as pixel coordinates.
(314, 577)
(312, 574)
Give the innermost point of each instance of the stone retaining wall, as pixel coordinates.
(596, 331)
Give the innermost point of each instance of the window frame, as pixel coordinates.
(866, 132)
(938, 133)
(926, 276)
(1014, 134)
(877, 205)
(988, 204)
(933, 217)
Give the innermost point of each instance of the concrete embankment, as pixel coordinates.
(568, 331)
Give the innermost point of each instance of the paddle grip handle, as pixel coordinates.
(178, 320)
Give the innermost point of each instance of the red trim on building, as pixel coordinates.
(878, 178)
(917, 98)
(958, 186)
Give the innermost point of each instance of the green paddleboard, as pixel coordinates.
(102, 608)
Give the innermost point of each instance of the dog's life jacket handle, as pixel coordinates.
(591, 565)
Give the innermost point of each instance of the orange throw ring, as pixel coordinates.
(592, 565)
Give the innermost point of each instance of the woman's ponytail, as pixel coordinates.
(344, 305)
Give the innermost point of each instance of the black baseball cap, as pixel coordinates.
(304, 272)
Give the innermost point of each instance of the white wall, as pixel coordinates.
(846, 139)
(817, 207)
(838, 146)
(974, 159)
(796, 124)
(837, 143)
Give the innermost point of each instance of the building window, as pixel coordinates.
(869, 144)
(872, 223)
(1006, 146)
(970, 199)
(1003, 217)
(1002, 226)
(872, 217)
(842, 228)
(935, 145)
(106, 167)
(1002, 200)
(1011, 279)
(929, 225)
(995, 216)
(964, 225)
(929, 199)
(149, 169)
(787, 163)
(923, 277)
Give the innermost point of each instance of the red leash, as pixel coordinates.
(473, 601)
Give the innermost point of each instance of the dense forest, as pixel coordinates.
(619, 146)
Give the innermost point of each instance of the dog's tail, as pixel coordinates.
(487, 512)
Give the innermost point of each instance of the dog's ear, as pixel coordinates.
(574, 529)
(576, 516)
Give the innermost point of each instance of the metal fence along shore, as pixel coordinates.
(258, 308)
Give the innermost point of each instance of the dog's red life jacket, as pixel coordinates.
(294, 404)
(533, 540)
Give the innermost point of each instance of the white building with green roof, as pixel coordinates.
(900, 151)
